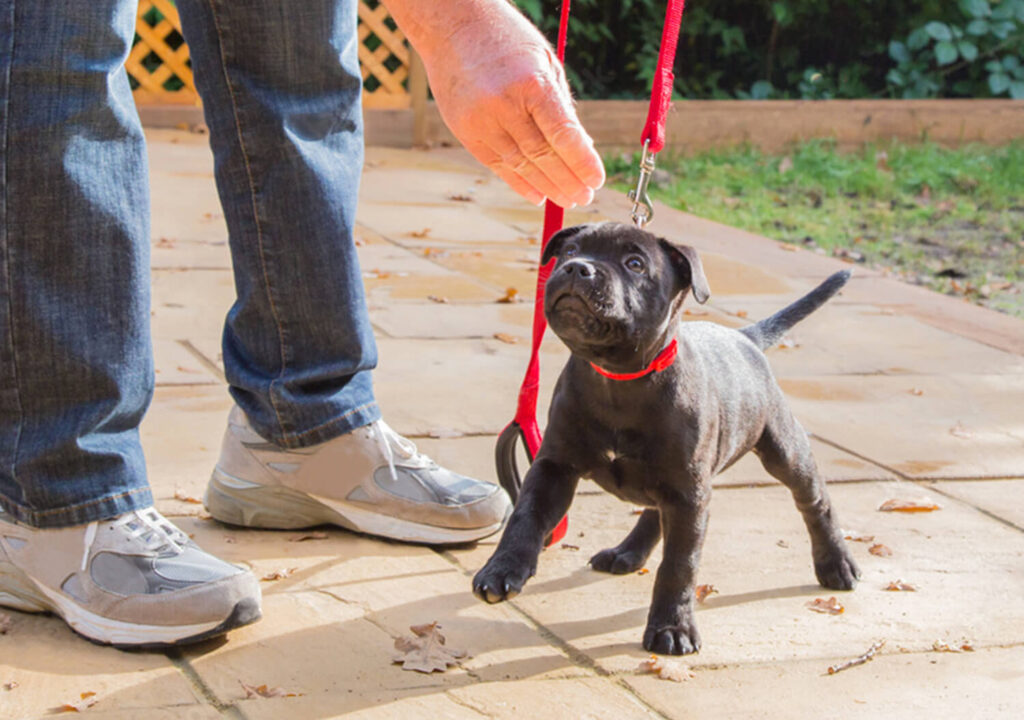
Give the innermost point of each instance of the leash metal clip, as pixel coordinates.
(643, 210)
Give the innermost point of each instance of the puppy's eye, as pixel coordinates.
(635, 263)
(570, 251)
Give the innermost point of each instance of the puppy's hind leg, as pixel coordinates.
(785, 452)
(631, 554)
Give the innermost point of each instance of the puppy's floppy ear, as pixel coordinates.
(687, 263)
(554, 245)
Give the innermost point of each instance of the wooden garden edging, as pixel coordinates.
(773, 124)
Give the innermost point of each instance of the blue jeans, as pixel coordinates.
(281, 88)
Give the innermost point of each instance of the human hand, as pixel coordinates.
(501, 90)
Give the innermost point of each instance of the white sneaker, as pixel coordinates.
(134, 581)
(371, 480)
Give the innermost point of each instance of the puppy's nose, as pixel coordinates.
(578, 267)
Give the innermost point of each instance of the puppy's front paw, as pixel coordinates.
(837, 571)
(618, 562)
(501, 579)
(679, 639)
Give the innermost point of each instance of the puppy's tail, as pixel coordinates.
(770, 330)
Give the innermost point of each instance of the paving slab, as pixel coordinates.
(981, 685)
(52, 666)
(1002, 498)
(448, 223)
(455, 320)
(423, 387)
(861, 339)
(959, 426)
(758, 557)
(175, 364)
(362, 594)
(181, 436)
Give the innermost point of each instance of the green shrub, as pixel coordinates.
(797, 48)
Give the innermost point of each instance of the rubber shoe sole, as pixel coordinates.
(235, 501)
(20, 592)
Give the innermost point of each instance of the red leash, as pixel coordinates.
(524, 426)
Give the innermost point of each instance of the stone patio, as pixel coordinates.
(907, 394)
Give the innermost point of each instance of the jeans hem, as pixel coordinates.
(335, 427)
(103, 508)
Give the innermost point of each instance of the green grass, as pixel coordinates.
(950, 219)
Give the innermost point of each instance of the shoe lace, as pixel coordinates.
(389, 441)
(154, 530)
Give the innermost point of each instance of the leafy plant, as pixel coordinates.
(764, 49)
(979, 54)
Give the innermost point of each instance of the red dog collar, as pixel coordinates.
(664, 359)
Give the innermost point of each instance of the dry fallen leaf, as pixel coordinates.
(636, 511)
(8, 686)
(741, 313)
(165, 243)
(87, 701)
(426, 652)
(264, 691)
(908, 506)
(853, 536)
(832, 606)
(229, 540)
(438, 299)
(567, 546)
(317, 535)
(5, 623)
(880, 550)
(704, 591)
(506, 338)
(184, 497)
(859, 660)
(942, 646)
(694, 312)
(642, 571)
(666, 669)
(787, 247)
(459, 197)
(960, 431)
(509, 296)
(900, 586)
(916, 391)
(420, 233)
(278, 574)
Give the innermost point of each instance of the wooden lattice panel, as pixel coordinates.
(384, 58)
(159, 61)
(160, 55)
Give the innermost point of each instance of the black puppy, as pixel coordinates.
(652, 409)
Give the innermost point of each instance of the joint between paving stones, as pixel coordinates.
(207, 693)
(575, 655)
(206, 362)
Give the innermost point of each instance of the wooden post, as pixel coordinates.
(418, 90)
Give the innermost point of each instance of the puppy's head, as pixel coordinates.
(615, 289)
